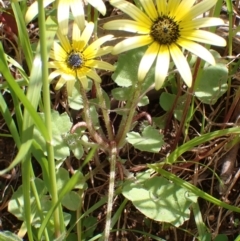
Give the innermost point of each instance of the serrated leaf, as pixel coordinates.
(159, 199)
(150, 140)
(61, 125)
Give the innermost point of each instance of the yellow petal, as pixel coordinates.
(57, 52)
(32, 11)
(99, 65)
(161, 7)
(162, 66)
(150, 9)
(84, 81)
(78, 12)
(70, 85)
(183, 8)
(132, 11)
(93, 75)
(200, 8)
(197, 49)
(147, 60)
(63, 16)
(172, 6)
(87, 34)
(99, 52)
(99, 5)
(91, 50)
(60, 83)
(132, 43)
(64, 41)
(76, 36)
(201, 23)
(203, 36)
(53, 75)
(128, 25)
(181, 64)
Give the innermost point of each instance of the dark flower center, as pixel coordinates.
(165, 30)
(75, 60)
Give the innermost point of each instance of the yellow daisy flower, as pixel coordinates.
(167, 27)
(76, 60)
(76, 6)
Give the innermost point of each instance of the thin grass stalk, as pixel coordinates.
(18, 111)
(78, 215)
(113, 160)
(126, 121)
(230, 42)
(194, 189)
(58, 226)
(230, 20)
(202, 229)
(9, 121)
(38, 202)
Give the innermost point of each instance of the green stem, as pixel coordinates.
(113, 160)
(126, 122)
(78, 216)
(47, 111)
(103, 107)
(87, 118)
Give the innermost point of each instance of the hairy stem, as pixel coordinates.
(126, 122)
(113, 159)
(87, 118)
(103, 107)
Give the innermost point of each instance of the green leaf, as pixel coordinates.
(16, 203)
(122, 94)
(150, 140)
(158, 199)
(61, 125)
(71, 201)
(8, 236)
(167, 100)
(74, 142)
(212, 84)
(75, 101)
(127, 69)
(62, 177)
(221, 237)
(90, 224)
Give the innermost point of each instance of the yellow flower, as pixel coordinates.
(167, 27)
(76, 60)
(63, 8)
